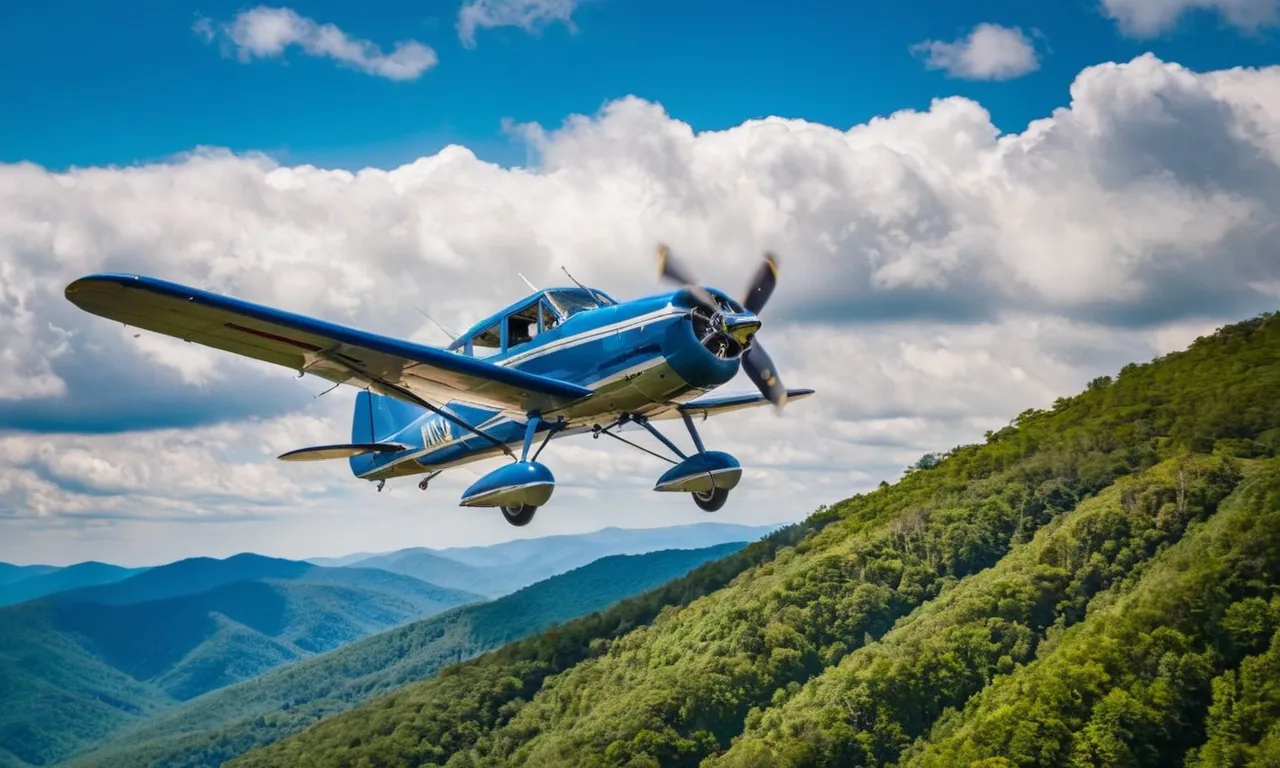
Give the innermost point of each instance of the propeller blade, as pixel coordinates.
(762, 285)
(764, 375)
(672, 269)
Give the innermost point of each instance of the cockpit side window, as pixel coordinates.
(522, 327)
(548, 317)
(487, 343)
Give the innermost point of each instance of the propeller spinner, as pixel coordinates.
(740, 326)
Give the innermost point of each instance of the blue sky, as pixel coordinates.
(101, 83)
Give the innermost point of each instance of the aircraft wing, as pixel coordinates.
(394, 367)
(713, 405)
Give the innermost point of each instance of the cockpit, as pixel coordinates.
(523, 322)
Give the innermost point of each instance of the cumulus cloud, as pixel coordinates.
(988, 52)
(1150, 18)
(266, 32)
(938, 277)
(529, 15)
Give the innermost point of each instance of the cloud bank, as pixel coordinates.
(1151, 18)
(266, 32)
(938, 278)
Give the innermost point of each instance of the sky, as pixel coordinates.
(978, 206)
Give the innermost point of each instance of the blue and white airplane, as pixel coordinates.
(559, 362)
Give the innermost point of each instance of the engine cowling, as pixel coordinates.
(705, 348)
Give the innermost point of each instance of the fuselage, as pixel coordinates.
(638, 357)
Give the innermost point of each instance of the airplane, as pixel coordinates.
(556, 363)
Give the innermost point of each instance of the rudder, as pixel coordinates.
(376, 419)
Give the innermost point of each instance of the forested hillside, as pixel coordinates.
(1096, 584)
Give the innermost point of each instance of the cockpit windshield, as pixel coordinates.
(570, 303)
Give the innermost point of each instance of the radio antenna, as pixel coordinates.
(443, 330)
(590, 292)
(532, 287)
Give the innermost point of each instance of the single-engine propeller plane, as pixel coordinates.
(559, 362)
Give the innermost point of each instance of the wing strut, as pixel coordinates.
(597, 431)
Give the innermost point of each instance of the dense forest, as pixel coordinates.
(1097, 583)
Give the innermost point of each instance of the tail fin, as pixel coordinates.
(377, 419)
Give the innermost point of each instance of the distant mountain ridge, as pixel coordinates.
(500, 569)
(21, 583)
(77, 664)
(228, 722)
(186, 577)
(10, 573)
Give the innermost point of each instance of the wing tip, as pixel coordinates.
(90, 282)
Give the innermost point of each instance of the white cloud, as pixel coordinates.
(529, 15)
(937, 279)
(1150, 18)
(266, 32)
(988, 52)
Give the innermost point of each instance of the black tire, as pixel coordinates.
(520, 515)
(710, 501)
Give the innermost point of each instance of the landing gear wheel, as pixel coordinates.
(710, 501)
(520, 515)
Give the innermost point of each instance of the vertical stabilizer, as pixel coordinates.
(377, 419)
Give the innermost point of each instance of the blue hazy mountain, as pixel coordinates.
(10, 573)
(187, 577)
(21, 583)
(225, 723)
(500, 569)
(78, 664)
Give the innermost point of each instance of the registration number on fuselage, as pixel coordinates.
(436, 432)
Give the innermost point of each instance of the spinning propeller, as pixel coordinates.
(737, 328)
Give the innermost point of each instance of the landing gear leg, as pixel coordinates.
(522, 514)
(422, 484)
(714, 499)
(693, 472)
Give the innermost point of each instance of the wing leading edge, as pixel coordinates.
(341, 354)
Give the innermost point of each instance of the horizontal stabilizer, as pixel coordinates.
(341, 451)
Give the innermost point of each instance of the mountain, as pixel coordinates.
(338, 562)
(39, 580)
(10, 573)
(188, 577)
(424, 564)
(76, 665)
(225, 723)
(499, 569)
(612, 540)
(1095, 584)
